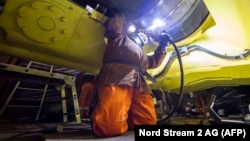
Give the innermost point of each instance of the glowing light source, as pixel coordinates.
(131, 28)
(156, 23)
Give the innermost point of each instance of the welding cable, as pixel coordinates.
(181, 91)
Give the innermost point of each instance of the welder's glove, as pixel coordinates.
(164, 39)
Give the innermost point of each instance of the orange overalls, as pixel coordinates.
(85, 98)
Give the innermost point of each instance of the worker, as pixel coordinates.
(123, 98)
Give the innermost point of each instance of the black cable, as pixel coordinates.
(161, 121)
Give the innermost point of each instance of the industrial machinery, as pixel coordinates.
(213, 38)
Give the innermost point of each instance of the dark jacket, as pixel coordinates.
(118, 54)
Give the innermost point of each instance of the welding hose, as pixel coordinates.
(181, 92)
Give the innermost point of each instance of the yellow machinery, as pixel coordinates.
(65, 34)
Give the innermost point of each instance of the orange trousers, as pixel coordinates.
(119, 108)
(85, 98)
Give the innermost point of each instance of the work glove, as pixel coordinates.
(164, 39)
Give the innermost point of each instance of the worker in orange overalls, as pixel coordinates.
(123, 98)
